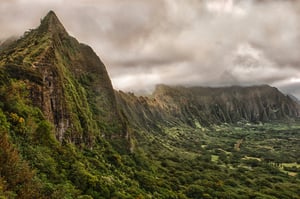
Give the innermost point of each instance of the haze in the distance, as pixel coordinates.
(178, 42)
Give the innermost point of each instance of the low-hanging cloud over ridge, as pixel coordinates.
(189, 42)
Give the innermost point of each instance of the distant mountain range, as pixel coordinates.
(208, 106)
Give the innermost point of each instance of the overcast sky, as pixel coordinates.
(178, 42)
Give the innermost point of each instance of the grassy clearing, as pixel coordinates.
(214, 158)
(291, 165)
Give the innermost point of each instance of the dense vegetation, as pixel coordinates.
(131, 149)
(230, 161)
(222, 161)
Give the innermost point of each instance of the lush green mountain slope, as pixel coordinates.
(66, 80)
(65, 133)
(207, 106)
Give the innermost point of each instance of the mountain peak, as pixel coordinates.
(51, 23)
(51, 13)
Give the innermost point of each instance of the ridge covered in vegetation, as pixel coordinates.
(65, 133)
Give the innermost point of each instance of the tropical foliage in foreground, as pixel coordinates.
(222, 161)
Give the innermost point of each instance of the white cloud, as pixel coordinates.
(225, 7)
(191, 42)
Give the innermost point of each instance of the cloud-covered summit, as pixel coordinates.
(190, 42)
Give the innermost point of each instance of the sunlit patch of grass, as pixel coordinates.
(291, 165)
(214, 158)
(251, 158)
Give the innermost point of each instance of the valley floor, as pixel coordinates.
(229, 161)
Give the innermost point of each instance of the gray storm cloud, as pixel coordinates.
(178, 42)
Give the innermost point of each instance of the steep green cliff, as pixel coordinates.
(66, 80)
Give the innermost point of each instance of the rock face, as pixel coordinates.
(67, 81)
(206, 106)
